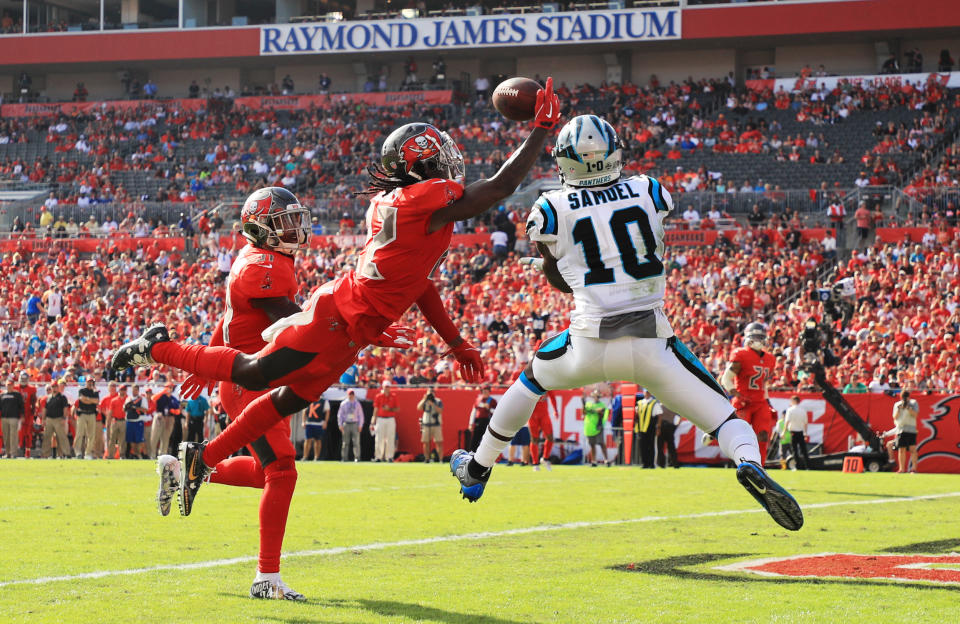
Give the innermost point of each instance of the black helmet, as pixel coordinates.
(272, 218)
(421, 151)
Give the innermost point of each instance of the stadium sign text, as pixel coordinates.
(471, 32)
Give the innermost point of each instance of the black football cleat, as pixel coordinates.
(137, 352)
(778, 502)
(471, 487)
(193, 474)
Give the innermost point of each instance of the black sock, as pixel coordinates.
(475, 470)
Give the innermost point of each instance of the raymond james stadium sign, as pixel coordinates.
(487, 31)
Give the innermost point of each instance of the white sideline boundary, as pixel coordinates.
(339, 550)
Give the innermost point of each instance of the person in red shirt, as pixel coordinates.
(383, 424)
(540, 426)
(410, 221)
(29, 411)
(746, 378)
(111, 413)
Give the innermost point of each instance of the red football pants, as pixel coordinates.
(540, 424)
(320, 330)
(761, 417)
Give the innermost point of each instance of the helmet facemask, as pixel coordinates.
(450, 159)
(291, 228)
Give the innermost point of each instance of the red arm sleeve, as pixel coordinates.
(431, 306)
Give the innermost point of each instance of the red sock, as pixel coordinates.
(763, 453)
(239, 471)
(274, 505)
(534, 453)
(210, 362)
(253, 422)
(547, 447)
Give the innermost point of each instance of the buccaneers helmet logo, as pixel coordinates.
(263, 205)
(942, 445)
(420, 147)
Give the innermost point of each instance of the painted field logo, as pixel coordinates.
(938, 569)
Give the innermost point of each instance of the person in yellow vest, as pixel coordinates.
(595, 414)
(644, 428)
(784, 436)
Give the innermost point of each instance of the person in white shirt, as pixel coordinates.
(879, 385)
(905, 418)
(797, 422)
(691, 216)
(499, 240)
(829, 245)
(224, 262)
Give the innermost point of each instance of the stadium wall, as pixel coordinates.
(678, 65)
(938, 423)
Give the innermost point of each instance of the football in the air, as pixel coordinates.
(516, 98)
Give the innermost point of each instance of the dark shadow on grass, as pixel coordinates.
(937, 546)
(387, 608)
(673, 567)
(408, 612)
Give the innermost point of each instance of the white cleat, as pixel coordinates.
(277, 591)
(168, 467)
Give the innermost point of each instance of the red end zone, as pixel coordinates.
(938, 569)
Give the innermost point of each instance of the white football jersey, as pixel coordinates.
(608, 242)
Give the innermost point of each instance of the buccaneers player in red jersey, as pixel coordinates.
(746, 377)
(541, 425)
(417, 200)
(261, 288)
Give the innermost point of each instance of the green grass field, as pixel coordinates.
(82, 542)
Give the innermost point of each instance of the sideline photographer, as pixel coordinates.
(431, 422)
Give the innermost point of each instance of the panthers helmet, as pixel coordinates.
(755, 336)
(588, 152)
(421, 151)
(272, 218)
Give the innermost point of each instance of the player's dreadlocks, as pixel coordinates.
(381, 180)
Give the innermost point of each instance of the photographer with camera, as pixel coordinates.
(431, 422)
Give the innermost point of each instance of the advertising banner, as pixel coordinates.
(949, 80)
(938, 424)
(477, 32)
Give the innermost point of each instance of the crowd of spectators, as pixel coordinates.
(165, 153)
(503, 308)
(61, 315)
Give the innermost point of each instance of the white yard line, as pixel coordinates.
(215, 563)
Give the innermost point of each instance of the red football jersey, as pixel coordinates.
(255, 274)
(398, 257)
(756, 369)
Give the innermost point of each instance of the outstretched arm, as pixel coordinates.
(431, 306)
(482, 194)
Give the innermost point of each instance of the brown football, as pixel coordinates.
(516, 98)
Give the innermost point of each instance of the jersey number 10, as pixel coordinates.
(585, 236)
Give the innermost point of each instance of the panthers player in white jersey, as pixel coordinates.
(602, 239)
